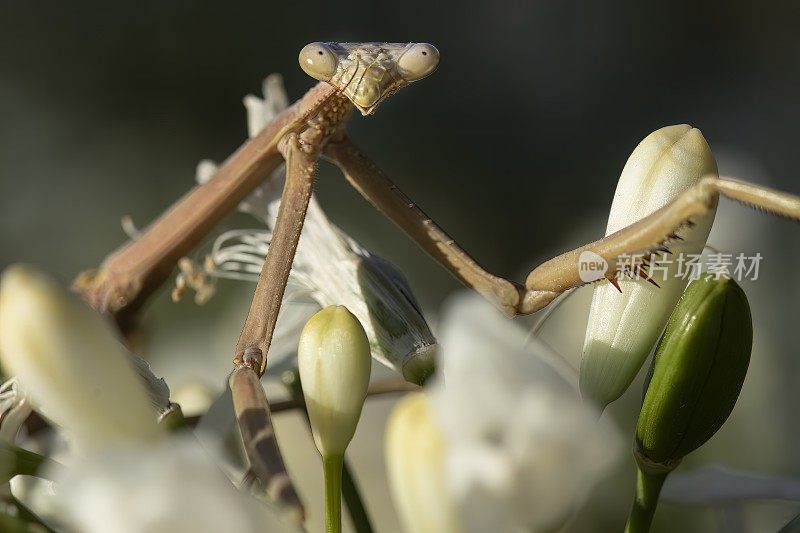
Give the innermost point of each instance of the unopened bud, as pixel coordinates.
(623, 328)
(697, 372)
(334, 363)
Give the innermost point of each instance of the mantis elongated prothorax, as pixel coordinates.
(361, 76)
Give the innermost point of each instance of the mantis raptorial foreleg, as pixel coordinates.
(561, 273)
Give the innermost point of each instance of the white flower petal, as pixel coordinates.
(481, 478)
(70, 363)
(166, 488)
(415, 457)
(523, 450)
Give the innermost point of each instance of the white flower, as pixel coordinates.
(69, 362)
(334, 363)
(329, 268)
(415, 457)
(623, 328)
(522, 449)
(169, 487)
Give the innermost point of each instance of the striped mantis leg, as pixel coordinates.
(254, 420)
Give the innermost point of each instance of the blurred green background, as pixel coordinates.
(514, 146)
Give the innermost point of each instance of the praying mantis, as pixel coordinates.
(354, 76)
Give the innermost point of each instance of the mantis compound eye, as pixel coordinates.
(418, 61)
(318, 61)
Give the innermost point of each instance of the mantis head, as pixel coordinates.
(368, 72)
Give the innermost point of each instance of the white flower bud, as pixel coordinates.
(69, 362)
(334, 362)
(415, 456)
(623, 328)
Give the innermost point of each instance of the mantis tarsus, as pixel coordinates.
(359, 75)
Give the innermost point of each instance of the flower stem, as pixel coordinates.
(352, 499)
(25, 462)
(648, 487)
(332, 469)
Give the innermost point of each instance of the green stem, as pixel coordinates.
(332, 468)
(648, 487)
(26, 462)
(352, 499)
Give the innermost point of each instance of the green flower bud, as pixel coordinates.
(334, 362)
(696, 376)
(697, 372)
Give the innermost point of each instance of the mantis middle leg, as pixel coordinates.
(379, 190)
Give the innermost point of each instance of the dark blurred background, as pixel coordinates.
(105, 108)
(514, 145)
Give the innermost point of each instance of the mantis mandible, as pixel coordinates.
(360, 76)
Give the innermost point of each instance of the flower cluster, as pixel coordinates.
(498, 440)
